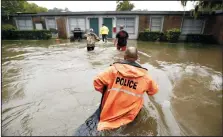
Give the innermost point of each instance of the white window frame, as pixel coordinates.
(23, 18)
(77, 17)
(39, 24)
(46, 20)
(202, 30)
(162, 21)
(134, 18)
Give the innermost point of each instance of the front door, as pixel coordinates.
(94, 25)
(108, 23)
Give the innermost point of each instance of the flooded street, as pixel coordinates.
(47, 88)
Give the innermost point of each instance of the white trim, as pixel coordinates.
(88, 23)
(162, 20)
(136, 25)
(125, 23)
(204, 23)
(68, 26)
(46, 18)
(182, 20)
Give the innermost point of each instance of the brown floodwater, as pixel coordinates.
(47, 88)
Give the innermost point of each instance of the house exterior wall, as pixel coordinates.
(100, 21)
(214, 26)
(61, 26)
(171, 21)
(144, 21)
(39, 20)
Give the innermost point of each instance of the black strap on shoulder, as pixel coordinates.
(130, 63)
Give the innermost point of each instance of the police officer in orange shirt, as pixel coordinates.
(125, 84)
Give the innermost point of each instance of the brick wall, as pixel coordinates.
(143, 22)
(61, 26)
(169, 22)
(172, 22)
(213, 25)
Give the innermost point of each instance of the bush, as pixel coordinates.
(8, 27)
(53, 30)
(147, 30)
(173, 35)
(200, 38)
(26, 34)
(149, 36)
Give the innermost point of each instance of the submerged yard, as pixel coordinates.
(47, 88)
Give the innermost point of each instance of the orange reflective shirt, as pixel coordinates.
(126, 83)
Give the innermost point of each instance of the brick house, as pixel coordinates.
(133, 21)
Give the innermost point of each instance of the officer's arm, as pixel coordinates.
(103, 79)
(153, 88)
(96, 37)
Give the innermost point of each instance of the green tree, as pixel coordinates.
(124, 6)
(10, 7)
(32, 7)
(58, 10)
(203, 5)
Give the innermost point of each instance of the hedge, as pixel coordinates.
(149, 36)
(200, 38)
(26, 34)
(8, 27)
(173, 35)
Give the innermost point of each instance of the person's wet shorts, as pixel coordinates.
(122, 48)
(90, 47)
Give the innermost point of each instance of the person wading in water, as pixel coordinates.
(104, 32)
(123, 85)
(121, 39)
(91, 39)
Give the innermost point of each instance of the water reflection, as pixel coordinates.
(47, 87)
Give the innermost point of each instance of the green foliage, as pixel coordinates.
(10, 7)
(200, 38)
(8, 27)
(146, 30)
(58, 10)
(32, 7)
(53, 30)
(204, 5)
(149, 36)
(172, 35)
(26, 34)
(124, 6)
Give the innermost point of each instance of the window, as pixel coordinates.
(192, 26)
(156, 24)
(77, 23)
(128, 23)
(39, 26)
(51, 23)
(24, 24)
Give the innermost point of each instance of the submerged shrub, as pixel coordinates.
(26, 34)
(173, 35)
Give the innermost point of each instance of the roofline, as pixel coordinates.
(110, 13)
